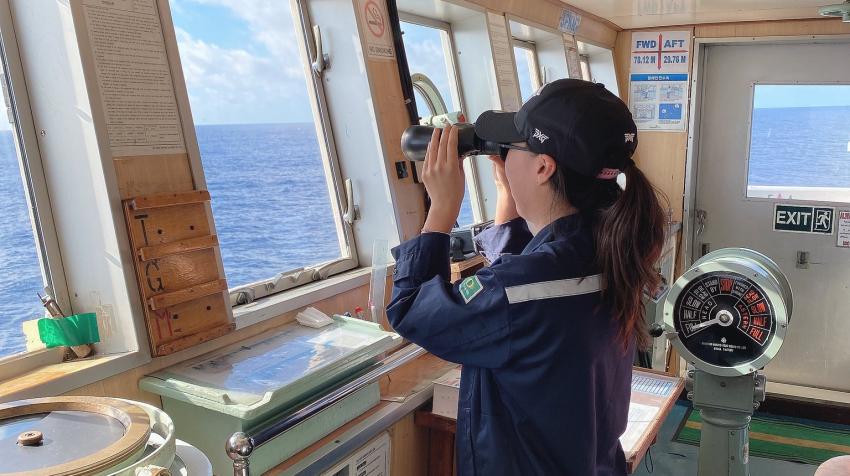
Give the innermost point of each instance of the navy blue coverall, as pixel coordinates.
(545, 384)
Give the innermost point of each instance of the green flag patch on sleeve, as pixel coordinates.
(470, 287)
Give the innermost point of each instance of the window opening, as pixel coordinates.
(584, 60)
(800, 142)
(29, 266)
(527, 68)
(267, 156)
(430, 56)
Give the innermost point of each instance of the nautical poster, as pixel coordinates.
(133, 77)
(658, 92)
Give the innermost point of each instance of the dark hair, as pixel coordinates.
(629, 227)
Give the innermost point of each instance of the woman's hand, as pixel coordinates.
(499, 175)
(505, 204)
(443, 178)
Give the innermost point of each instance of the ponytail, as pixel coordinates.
(629, 236)
(629, 240)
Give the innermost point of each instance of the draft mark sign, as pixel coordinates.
(658, 94)
(803, 219)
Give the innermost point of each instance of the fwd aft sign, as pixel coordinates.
(803, 219)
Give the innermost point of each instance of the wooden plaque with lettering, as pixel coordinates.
(180, 281)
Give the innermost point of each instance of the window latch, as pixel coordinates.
(351, 210)
(701, 218)
(321, 60)
(242, 296)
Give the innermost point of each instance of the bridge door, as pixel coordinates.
(773, 174)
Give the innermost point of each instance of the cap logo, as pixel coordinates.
(630, 137)
(539, 136)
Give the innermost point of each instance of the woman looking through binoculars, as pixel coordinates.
(548, 332)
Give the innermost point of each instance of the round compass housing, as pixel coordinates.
(729, 312)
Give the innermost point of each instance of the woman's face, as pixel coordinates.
(521, 172)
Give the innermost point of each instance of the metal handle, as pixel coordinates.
(240, 445)
(350, 209)
(321, 60)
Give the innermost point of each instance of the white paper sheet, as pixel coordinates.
(133, 76)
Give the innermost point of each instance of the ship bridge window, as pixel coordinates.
(265, 144)
(431, 59)
(29, 250)
(597, 65)
(800, 142)
(584, 62)
(528, 71)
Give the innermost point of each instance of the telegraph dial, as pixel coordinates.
(729, 312)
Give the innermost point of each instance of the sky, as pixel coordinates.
(800, 95)
(424, 49)
(523, 71)
(241, 61)
(242, 65)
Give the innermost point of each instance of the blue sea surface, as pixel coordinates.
(20, 278)
(270, 201)
(270, 198)
(800, 147)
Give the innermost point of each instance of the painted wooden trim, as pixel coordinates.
(820, 26)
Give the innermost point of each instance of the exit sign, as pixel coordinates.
(802, 219)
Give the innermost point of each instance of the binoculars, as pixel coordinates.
(414, 142)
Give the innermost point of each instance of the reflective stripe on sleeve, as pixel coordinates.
(554, 289)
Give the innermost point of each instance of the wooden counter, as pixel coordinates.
(423, 443)
(403, 391)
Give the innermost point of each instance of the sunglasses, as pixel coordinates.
(504, 148)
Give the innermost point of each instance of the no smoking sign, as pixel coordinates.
(374, 19)
(379, 41)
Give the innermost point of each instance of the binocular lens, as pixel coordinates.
(415, 140)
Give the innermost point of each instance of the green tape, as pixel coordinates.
(79, 329)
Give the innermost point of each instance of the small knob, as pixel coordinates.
(655, 330)
(239, 446)
(30, 438)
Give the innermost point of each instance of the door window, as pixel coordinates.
(800, 142)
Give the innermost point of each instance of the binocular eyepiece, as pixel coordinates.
(414, 142)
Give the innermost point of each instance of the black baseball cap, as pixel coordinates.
(580, 124)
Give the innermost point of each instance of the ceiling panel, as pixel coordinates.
(630, 14)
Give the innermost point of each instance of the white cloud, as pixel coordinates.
(270, 22)
(240, 85)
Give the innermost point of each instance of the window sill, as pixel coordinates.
(60, 378)
(302, 296)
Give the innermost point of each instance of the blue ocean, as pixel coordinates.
(270, 201)
(800, 147)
